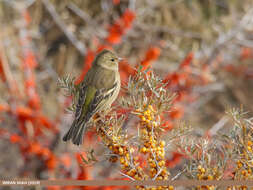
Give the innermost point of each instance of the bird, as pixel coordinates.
(98, 90)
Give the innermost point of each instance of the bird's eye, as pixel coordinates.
(112, 59)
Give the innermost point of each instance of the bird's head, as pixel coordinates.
(108, 60)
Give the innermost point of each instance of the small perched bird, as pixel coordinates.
(97, 92)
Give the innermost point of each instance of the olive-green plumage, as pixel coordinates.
(97, 92)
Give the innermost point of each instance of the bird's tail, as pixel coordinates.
(69, 134)
(75, 133)
(77, 137)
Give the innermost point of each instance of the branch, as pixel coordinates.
(78, 45)
(223, 39)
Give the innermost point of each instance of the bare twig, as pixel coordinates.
(6, 69)
(223, 39)
(217, 126)
(78, 45)
(86, 18)
(72, 7)
(176, 176)
(127, 176)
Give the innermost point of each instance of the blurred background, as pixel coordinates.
(202, 48)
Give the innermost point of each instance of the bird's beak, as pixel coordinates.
(120, 59)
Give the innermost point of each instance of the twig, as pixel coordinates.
(78, 45)
(86, 18)
(217, 126)
(228, 36)
(127, 176)
(6, 69)
(165, 29)
(176, 176)
(79, 12)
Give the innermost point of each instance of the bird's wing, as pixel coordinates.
(101, 98)
(95, 92)
(85, 88)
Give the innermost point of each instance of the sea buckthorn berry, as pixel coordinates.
(152, 165)
(122, 160)
(154, 124)
(163, 172)
(150, 107)
(136, 176)
(162, 154)
(143, 149)
(146, 144)
(121, 150)
(144, 131)
(162, 143)
(167, 176)
(239, 165)
(143, 118)
(161, 163)
(153, 170)
(210, 177)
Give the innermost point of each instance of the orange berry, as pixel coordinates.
(143, 149)
(122, 160)
(150, 107)
(121, 150)
(210, 177)
(162, 143)
(144, 131)
(243, 172)
(161, 163)
(152, 165)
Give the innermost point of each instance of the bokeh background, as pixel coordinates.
(202, 48)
